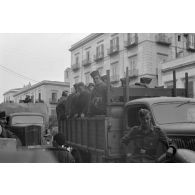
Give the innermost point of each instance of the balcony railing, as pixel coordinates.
(131, 42)
(98, 57)
(86, 62)
(163, 39)
(53, 101)
(133, 73)
(114, 78)
(113, 50)
(75, 67)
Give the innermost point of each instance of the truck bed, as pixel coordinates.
(100, 136)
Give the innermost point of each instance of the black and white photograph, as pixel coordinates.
(97, 97)
(120, 97)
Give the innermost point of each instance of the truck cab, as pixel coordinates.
(174, 115)
(28, 127)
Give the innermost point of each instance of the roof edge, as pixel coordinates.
(85, 40)
(44, 82)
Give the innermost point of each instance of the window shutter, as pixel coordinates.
(111, 45)
(102, 52)
(96, 52)
(117, 43)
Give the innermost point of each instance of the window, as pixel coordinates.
(100, 51)
(114, 44)
(67, 74)
(179, 38)
(192, 39)
(54, 97)
(76, 79)
(88, 55)
(77, 59)
(87, 78)
(132, 62)
(39, 96)
(114, 69)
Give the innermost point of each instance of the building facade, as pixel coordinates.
(140, 52)
(9, 95)
(46, 91)
(181, 66)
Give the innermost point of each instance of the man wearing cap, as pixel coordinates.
(71, 103)
(61, 106)
(83, 100)
(90, 87)
(98, 98)
(5, 133)
(149, 141)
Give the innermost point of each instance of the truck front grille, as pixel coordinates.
(184, 142)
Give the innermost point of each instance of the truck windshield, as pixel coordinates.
(180, 112)
(27, 120)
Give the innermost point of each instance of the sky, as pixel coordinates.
(33, 57)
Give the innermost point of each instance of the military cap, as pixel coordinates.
(2, 115)
(95, 73)
(91, 84)
(64, 93)
(80, 84)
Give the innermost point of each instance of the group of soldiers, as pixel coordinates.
(85, 100)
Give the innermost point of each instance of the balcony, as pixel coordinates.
(131, 42)
(75, 67)
(114, 78)
(113, 50)
(53, 101)
(133, 73)
(86, 62)
(98, 57)
(190, 46)
(161, 38)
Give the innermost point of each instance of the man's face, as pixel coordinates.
(97, 79)
(146, 121)
(80, 89)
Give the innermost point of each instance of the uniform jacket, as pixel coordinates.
(98, 100)
(151, 144)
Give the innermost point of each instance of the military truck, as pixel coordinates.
(97, 139)
(27, 121)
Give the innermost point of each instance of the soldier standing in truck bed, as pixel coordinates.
(83, 100)
(61, 106)
(71, 103)
(97, 105)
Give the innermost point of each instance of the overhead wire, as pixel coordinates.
(16, 73)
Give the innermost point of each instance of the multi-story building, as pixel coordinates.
(181, 66)
(45, 91)
(8, 95)
(140, 52)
